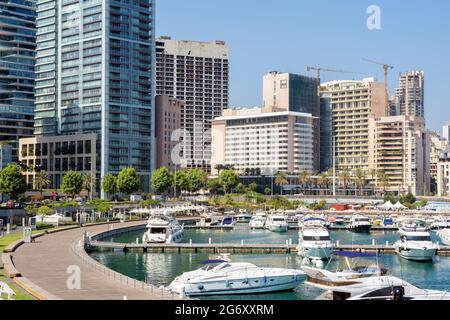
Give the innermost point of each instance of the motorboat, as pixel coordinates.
(381, 288)
(162, 228)
(228, 221)
(352, 266)
(277, 223)
(258, 221)
(415, 241)
(243, 216)
(444, 235)
(440, 223)
(223, 277)
(208, 220)
(360, 224)
(340, 221)
(388, 222)
(314, 240)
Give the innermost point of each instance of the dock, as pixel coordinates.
(236, 248)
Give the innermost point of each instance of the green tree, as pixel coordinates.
(228, 179)
(304, 177)
(214, 186)
(281, 180)
(196, 179)
(253, 187)
(345, 177)
(360, 179)
(109, 184)
(100, 205)
(408, 199)
(181, 180)
(240, 188)
(44, 211)
(162, 180)
(72, 183)
(128, 181)
(41, 180)
(12, 182)
(267, 191)
(383, 179)
(88, 182)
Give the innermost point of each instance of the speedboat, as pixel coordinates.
(381, 288)
(162, 228)
(228, 221)
(208, 220)
(354, 265)
(415, 241)
(314, 240)
(360, 224)
(340, 221)
(243, 216)
(444, 235)
(223, 277)
(440, 223)
(258, 221)
(277, 223)
(388, 222)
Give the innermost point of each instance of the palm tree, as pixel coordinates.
(344, 176)
(41, 180)
(281, 180)
(383, 179)
(304, 177)
(360, 178)
(87, 183)
(324, 178)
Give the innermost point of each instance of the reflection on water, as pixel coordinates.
(161, 268)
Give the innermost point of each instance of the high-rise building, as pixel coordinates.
(399, 148)
(94, 70)
(409, 96)
(346, 109)
(446, 132)
(168, 114)
(5, 155)
(437, 146)
(296, 93)
(17, 56)
(261, 139)
(198, 74)
(443, 174)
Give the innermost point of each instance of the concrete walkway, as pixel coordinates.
(45, 263)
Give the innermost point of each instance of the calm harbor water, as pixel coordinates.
(161, 268)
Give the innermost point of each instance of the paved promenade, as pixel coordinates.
(45, 264)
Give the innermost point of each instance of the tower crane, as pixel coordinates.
(386, 69)
(319, 70)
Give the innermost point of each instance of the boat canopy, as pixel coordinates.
(314, 219)
(351, 254)
(212, 261)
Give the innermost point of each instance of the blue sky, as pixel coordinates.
(288, 35)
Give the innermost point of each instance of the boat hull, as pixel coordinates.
(321, 253)
(416, 254)
(235, 287)
(278, 228)
(361, 228)
(175, 237)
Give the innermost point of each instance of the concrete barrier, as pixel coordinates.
(37, 292)
(8, 266)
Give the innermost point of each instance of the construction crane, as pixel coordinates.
(319, 70)
(386, 69)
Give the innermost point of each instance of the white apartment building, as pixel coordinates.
(346, 107)
(409, 96)
(443, 174)
(446, 131)
(261, 139)
(198, 74)
(399, 147)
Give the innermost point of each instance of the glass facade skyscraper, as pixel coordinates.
(17, 45)
(95, 73)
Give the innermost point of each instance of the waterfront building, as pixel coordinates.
(443, 174)
(437, 146)
(94, 71)
(446, 131)
(346, 109)
(168, 115)
(17, 57)
(410, 93)
(198, 74)
(399, 148)
(297, 93)
(5, 155)
(263, 139)
(58, 154)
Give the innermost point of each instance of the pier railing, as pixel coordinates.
(77, 248)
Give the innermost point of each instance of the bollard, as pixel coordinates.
(242, 242)
(337, 243)
(210, 241)
(290, 241)
(137, 240)
(387, 243)
(190, 242)
(373, 242)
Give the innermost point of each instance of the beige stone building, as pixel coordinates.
(58, 154)
(168, 114)
(399, 147)
(437, 146)
(346, 109)
(443, 174)
(259, 138)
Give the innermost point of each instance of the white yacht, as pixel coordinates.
(162, 228)
(360, 224)
(444, 235)
(277, 223)
(258, 221)
(314, 240)
(243, 216)
(381, 288)
(415, 241)
(440, 223)
(222, 277)
(208, 220)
